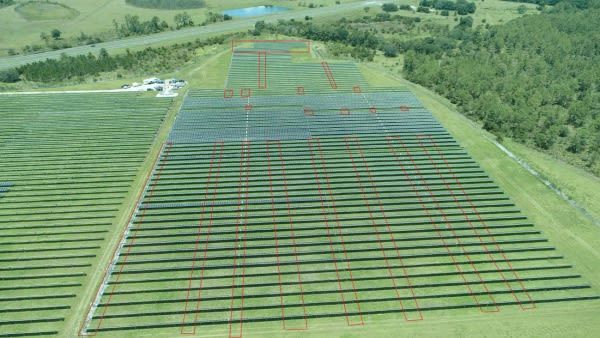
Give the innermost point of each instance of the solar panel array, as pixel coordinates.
(280, 75)
(67, 163)
(272, 215)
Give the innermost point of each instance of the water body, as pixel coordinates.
(254, 11)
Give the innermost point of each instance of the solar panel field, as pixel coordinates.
(67, 163)
(297, 200)
(271, 215)
(278, 68)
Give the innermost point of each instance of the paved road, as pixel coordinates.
(189, 33)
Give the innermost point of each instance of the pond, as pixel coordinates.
(255, 11)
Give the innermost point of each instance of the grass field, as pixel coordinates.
(300, 233)
(97, 17)
(69, 162)
(169, 37)
(578, 184)
(488, 11)
(43, 11)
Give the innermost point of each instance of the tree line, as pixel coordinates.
(462, 7)
(130, 25)
(168, 4)
(150, 59)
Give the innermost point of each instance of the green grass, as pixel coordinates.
(98, 16)
(488, 11)
(73, 318)
(45, 11)
(169, 4)
(575, 182)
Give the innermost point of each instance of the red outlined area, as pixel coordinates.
(262, 70)
(339, 232)
(377, 200)
(241, 226)
(215, 182)
(133, 237)
(434, 223)
(329, 74)
(278, 47)
(236, 43)
(475, 211)
(131, 215)
(246, 92)
(228, 93)
(292, 235)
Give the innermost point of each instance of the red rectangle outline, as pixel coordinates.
(376, 228)
(434, 223)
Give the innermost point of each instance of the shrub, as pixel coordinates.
(9, 76)
(390, 50)
(4, 3)
(389, 7)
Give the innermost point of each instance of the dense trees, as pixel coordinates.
(216, 17)
(147, 60)
(389, 7)
(183, 20)
(360, 43)
(462, 7)
(390, 50)
(9, 75)
(55, 33)
(535, 79)
(4, 3)
(133, 26)
(363, 43)
(168, 4)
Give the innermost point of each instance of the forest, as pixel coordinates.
(535, 79)
(346, 38)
